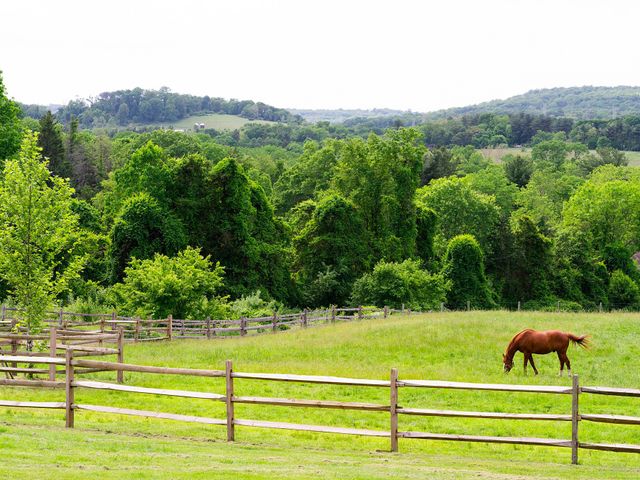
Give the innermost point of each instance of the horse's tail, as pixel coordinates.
(582, 340)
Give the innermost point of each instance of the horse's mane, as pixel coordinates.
(517, 336)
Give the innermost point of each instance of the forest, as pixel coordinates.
(294, 214)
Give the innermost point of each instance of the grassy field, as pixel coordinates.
(448, 346)
(496, 154)
(214, 120)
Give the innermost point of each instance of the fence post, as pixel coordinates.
(69, 392)
(386, 311)
(403, 308)
(333, 314)
(600, 307)
(61, 320)
(243, 326)
(304, 318)
(558, 305)
(170, 327)
(359, 312)
(393, 384)
(120, 373)
(274, 322)
(136, 331)
(114, 319)
(575, 418)
(208, 328)
(53, 350)
(518, 305)
(441, 306)
(468, 305)
(230, 415)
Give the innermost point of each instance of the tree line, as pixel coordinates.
(180, 223)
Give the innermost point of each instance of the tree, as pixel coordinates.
(50, 141)
(426, 223)
(518, 168)
(464, 268)
(10, 128)
(39, 233)
(460, 210)
(623, 292)
(331, 251)
(185, 286)
(142, 229)
(437, 163)
(398, 284)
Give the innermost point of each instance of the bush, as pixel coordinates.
(252, 306)
(394, 284)
(185, 286)
(623, 292)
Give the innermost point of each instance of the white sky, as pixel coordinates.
(419, 55)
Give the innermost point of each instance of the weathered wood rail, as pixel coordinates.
(393, 409)
(144, 330)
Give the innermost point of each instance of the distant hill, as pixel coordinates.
(137, 107)
(582, 103)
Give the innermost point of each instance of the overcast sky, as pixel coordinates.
(418, 55)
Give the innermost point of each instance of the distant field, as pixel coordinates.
(496, 154)
(214, 120)
(442, 346)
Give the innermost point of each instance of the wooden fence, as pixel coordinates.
(393, 409)
(141, 330)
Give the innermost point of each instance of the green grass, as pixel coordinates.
(449, 346)
(214, 120)
(496, 154)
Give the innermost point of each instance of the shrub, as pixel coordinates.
(394, 284)
(623, 292)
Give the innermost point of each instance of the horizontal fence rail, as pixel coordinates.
(393, 409)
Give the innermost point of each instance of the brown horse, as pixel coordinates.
(531, 341)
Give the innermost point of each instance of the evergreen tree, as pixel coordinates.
(10, 128)
(50, 141)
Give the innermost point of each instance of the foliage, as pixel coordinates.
(10, 127)
(39, 233)
(518, 169)
(426, 225)
(252, 306)
(460, 210)
(185, 286)
(331, 252)
(50, 141)
(464, 269)
(398, 284)
(623, 291)
(142, 229)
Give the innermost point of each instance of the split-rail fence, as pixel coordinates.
(230, 397)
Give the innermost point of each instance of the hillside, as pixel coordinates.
(574, 102)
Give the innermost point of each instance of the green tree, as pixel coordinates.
(426, 224)
(185, 286)
(50, 141)
(331, 252)
(518, 168)
(464, 269)
(10, 127)
(623, 292)
(142, 229)
(398, 284)
(460, 210)
(39, 233)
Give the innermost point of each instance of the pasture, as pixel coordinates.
(216, 121)
(437, 346)
(496, 154)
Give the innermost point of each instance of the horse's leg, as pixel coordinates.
(526, 359)
(533, 365)
(567, 362)
(561, 360)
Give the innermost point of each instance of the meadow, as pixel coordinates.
(217, 121)
(437, 346)
(496, 154)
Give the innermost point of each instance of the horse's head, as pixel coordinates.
(508, 364)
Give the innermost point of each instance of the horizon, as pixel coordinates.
(318, 55)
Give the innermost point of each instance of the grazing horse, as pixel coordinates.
(531, 341)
